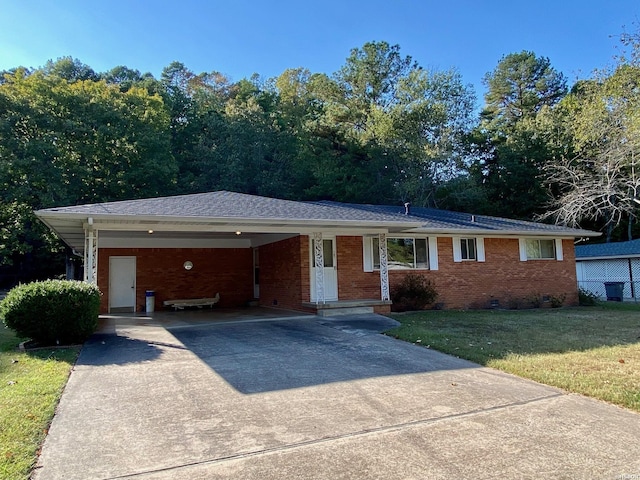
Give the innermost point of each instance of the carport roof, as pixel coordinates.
(224, 211)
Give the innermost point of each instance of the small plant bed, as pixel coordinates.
(30, 387)
(593, 351)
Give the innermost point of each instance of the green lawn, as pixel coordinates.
(30, 387)
(593, 351)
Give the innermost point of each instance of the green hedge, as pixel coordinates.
(52, 311)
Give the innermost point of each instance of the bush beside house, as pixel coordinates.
(414, 292)
(52, 311)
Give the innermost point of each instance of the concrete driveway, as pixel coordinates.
(318, 398)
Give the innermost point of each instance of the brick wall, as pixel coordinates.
(501, 277)
(353, 281)
(285, 276)
(284, 273)
(228, 271)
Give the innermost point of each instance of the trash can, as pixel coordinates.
(151, 300)
(614, 291)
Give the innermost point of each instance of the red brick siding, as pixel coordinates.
(468, 284)
(284, 273)
(228, 271)
(502, 276)
(285, 276)
(353, 282)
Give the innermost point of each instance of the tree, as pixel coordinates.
(406, 123)
(599, 179)
(65, 143)
(518, 88)
(70, 69)
(509, 149)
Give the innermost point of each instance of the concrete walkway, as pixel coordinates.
(317, 398)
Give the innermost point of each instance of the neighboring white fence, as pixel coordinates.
(592, 274)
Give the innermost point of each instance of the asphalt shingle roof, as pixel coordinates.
(232, 205)
(614, 249)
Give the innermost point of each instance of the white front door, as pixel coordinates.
(330, 270)
(122, 284)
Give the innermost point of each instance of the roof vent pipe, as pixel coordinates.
(473, 219)
(407, 208)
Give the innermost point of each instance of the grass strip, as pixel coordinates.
(30, 387)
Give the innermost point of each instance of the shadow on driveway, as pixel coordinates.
(280, 355)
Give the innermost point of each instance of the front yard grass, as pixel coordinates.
(593, 351)
(30, 387)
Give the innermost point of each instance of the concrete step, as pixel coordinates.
(334, 312)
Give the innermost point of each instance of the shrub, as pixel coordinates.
(587, 298)
(557, 300)
(414, 293)
(52, 311)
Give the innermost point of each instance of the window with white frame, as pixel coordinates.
(541, 249)
(468, 249)
(402, 253)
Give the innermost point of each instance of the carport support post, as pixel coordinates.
(384, 269)
(91, 255)
(318, 255)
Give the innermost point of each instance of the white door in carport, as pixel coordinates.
(122, 284)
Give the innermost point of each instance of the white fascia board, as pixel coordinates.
(440, 232)
(102, 220)
(610, 257)
(216, 228)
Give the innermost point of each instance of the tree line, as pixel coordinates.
(382, 129)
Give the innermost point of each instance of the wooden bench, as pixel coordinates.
(192, 302)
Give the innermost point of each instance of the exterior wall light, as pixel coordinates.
(187, 265)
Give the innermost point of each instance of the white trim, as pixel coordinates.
(384, 268)
(559, 254)
(433, 253)
(457, 249)
(367, 254)
(318, 252)
(91, 256)
(480, 252)
(522, 243)
(610, 257)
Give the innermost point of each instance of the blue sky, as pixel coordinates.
(242, 37)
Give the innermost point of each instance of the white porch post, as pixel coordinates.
(91, 256)
(318, 255)
(384, 270)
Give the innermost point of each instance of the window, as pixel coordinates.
(403, 253)
(540, 249)
(468, 249)
(327, 253)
